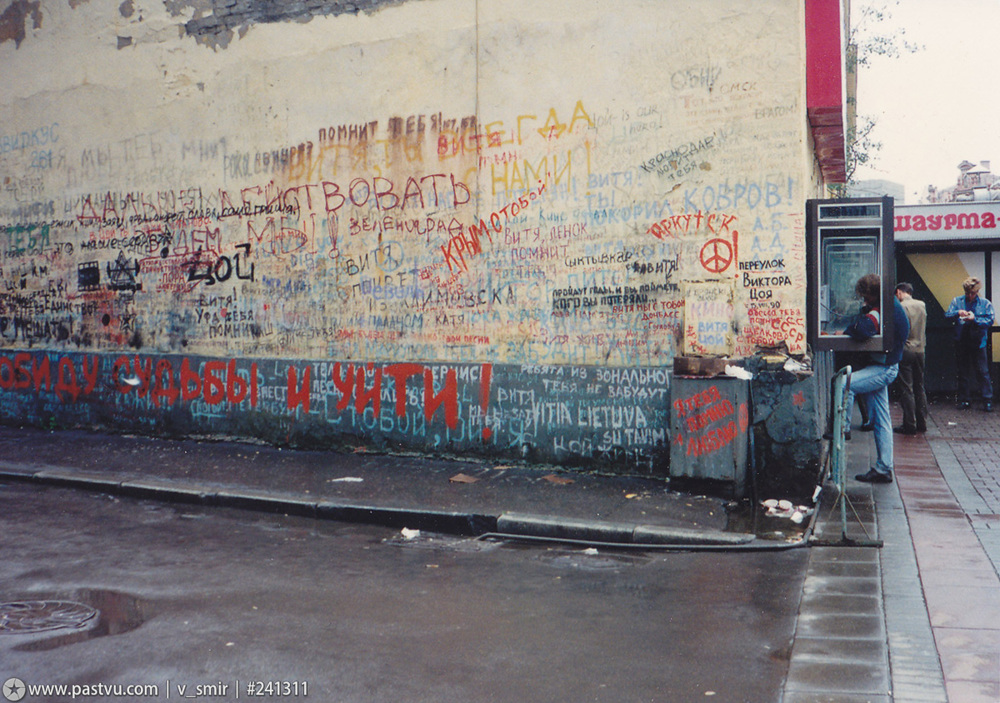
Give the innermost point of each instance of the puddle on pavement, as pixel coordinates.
(592, 560)
(70, 618)
(420, 539)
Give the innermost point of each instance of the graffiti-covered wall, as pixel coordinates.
(503, 219)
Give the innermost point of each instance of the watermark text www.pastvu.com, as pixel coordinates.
(15, 689)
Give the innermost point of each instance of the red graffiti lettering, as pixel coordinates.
(698, 400)
(352, 385)
(712, 441)
(298, 395)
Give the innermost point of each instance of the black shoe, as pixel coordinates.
(987, 407)
(874, 476)
(903, 430)
(964, 405)
(867, 428)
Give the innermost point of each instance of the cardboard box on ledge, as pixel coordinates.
(699, 366)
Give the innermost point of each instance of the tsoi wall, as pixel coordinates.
(445, 225)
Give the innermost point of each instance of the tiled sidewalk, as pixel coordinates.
(917, 620)
(840, 652)
(949, 483)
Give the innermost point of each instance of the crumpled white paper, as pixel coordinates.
(787, 510)
(738, 372)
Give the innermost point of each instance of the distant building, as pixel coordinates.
(876, 188)
(975, 183)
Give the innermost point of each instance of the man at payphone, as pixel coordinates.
(872, 382)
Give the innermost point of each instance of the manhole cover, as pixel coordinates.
(23, 617)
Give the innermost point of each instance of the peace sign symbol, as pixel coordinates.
(389, 256)
(716, 255)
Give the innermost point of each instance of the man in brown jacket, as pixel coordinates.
(911, 367)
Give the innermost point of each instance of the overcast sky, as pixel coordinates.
(941, 105)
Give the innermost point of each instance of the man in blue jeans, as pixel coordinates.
(872, 382)
(972, 317)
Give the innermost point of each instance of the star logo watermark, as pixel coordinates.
(14, 689)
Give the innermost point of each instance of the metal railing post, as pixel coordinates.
(841, 425)
(842, 410)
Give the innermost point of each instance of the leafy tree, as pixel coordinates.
(862, 147)
(871, 35)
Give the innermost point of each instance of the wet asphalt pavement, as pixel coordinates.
(193, 589)
(195, 595)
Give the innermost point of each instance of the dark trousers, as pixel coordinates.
(973, 374)
(912, 397)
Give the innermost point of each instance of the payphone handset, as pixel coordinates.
(847, 238)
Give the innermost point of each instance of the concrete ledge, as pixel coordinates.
(472, 524)
(430, 520)
(564, 528)
(160, 490)
(79, 479)
(17, 471)
(552, 527)
(457, 523)
(654, 534)
(266, 502)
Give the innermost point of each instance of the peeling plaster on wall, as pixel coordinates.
(177, 8)
(215, 20)
(14, 19)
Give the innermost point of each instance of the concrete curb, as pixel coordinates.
(554, 527)
(510, 524)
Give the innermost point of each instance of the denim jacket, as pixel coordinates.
(972, 333)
